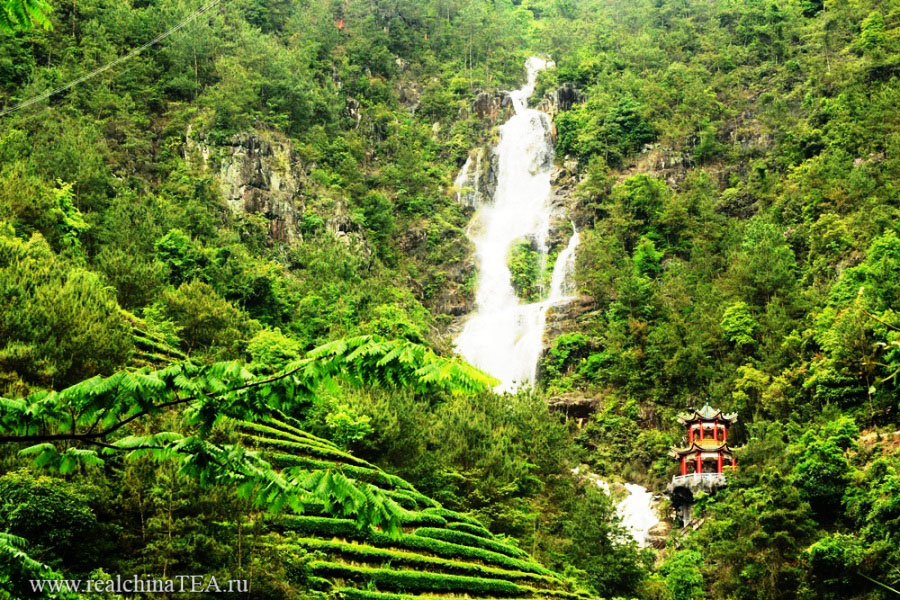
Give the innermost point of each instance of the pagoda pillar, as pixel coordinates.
(701, 431)
(725, 434)
(683, 466)
(690, 435)
(719, 465)
(716, 430)
(699, 467)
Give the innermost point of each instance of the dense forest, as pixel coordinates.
(232, 266)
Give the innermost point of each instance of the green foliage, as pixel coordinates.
(871, 34)
(346, 426)
(738, 324)
(524, 262)
(137, 280)
(205, 321)
(765, 265)
(621, 131)
(57, 523)
(822, 472)
(19, 15)
(599, 547)
(647, 258)
(411, 559)
(43, 294)
(467, 539)
(180, 255)
(756, 531)
(271, 351)
(565, 353)
(97, 410)
(683, 577)
(749, 255)
(398, 579)
(18, 567)
(831, 559)
(708, 148)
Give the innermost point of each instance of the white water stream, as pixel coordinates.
(637, 511)
(504, 337)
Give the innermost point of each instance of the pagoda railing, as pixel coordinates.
(698, 477)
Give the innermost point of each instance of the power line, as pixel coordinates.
(108, 66)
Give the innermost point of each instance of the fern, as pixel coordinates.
(97, 413)
(22, 15)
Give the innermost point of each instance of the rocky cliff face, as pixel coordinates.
(495, 107)
(476, 182)
(564, 203)
(660, 162)
(262, 174)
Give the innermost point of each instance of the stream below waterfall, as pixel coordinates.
(504, 337)
(637, 510)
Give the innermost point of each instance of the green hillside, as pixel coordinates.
(233, 263)
(438, 551)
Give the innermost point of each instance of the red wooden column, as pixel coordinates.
(683, 466)
(701, 431)
(699, 468)
(719, 465)
(690, 435)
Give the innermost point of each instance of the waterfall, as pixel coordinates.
(504, 337)
(636, 511)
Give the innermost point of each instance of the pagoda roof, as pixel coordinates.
(707, 413)
(702, 446)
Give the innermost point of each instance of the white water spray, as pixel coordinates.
(504, 337)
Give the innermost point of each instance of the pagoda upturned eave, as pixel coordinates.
(707, 414)
(700, 447)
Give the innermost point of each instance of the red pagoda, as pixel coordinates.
(707, 452)
(703, 462)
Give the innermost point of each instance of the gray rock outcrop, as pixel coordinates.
(261, 173)
(262, 176)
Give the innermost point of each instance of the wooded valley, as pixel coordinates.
(235, 264)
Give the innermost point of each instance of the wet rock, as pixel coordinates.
(476, 182)
(658, 534)
(567, 97)
(455, 299)
(668, 164)
(563, 201)
(354, 110)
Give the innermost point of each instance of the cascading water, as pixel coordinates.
(504, 337)
(636, 511)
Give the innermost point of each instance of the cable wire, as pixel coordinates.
(26, 103)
